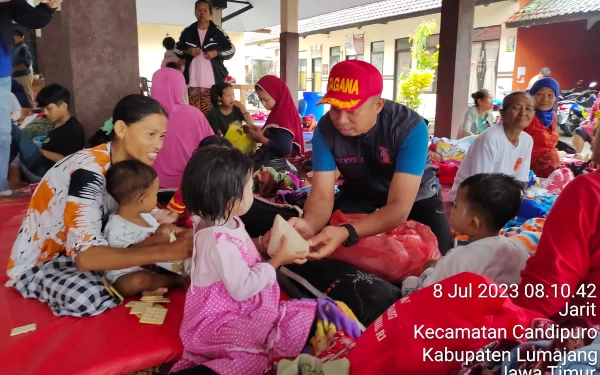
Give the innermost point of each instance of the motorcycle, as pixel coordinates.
(573, 108)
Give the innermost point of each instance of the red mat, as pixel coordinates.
(112, 343)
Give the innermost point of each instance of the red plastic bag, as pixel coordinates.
(392, 256)
(399, 341)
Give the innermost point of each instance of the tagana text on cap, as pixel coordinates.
(351, 83)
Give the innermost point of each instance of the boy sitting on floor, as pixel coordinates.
(484, 203)
(65, 138)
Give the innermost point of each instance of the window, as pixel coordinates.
(377, 55)
(356, 57)
(432, 43)
(335, 55)
(403, 61)
(302, 71)
(317, 69)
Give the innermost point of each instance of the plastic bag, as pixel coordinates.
(412, 334)
(240, 140)
(558, 180)
(392, 256)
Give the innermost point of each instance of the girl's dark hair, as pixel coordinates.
(210, 8)
(479, 95)
(214, 179)
(215, 140)
(172, 65)
(508, 99)
(131, 109)
(217, 90)
(128, 179)
(169, 43)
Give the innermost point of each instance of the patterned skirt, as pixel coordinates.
(68, 291)
(200, 98)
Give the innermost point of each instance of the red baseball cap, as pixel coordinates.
(351, 83)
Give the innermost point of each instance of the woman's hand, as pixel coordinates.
(181, 249)
(256, 134)
(193, 51)
(53, 4)
(167, 229)
(237, 104)
(284, 256)
(211, 54)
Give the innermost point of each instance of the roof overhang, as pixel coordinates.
(555, 19)
(264, 13)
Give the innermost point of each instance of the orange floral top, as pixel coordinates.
(67, 211)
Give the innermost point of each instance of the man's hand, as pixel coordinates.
(193, 51)
(300, 225)
(211, 54)
(327, 241)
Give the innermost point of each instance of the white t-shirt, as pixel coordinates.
(492, 152)
(120, 232)
(500, 259)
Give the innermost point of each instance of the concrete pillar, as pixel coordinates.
(456, 35)
(91, 47)
(289, 41)
(217, 16)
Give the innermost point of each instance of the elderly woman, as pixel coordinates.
(479, 117)
(502, 148)
(204, 46)
(544, 157)
(563, 275)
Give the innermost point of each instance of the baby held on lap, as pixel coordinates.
(134, 185)
(484, 203)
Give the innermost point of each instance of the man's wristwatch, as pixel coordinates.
(353, 236)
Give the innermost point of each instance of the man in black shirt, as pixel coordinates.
(66, 138)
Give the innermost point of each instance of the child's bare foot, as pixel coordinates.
(157, 292)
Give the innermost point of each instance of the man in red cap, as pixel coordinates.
(380, 147)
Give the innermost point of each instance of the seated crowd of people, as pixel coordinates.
(95, 216)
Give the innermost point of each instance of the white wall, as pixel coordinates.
(491, 15)
(150, 37)
(150, 47)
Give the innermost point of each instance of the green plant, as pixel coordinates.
(420, 76)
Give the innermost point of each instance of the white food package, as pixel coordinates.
(296, 243)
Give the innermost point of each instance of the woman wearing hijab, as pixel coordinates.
(186, 127)
(544, 157)
(282, 134)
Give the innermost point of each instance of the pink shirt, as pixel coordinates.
(220, 261)
(201, 71)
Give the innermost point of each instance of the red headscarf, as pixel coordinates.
(284, 114)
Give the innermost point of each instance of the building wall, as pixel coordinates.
(150, 37)
(491, 15)
(570, 51)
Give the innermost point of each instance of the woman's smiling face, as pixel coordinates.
(545, 99)
(144, 139)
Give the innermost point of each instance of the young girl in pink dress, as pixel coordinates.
(234, 322)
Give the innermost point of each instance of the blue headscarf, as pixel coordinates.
(546, 117)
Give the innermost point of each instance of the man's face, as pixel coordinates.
(18, 39)
(357, 122)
